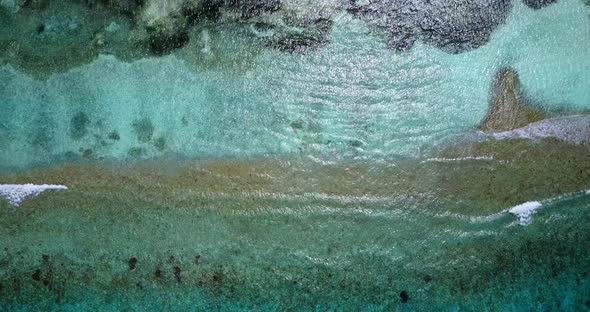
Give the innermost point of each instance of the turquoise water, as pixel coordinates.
(318, 181)
(353, 98)
(301, 254)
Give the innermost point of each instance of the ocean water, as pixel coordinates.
(251, 179)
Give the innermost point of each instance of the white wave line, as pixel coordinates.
(525, 211)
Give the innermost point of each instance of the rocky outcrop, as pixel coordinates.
(122, 6)
(452, 25)
(243, 9)
(288, 25)
(162, 26)
(538, 4)
(508, 111)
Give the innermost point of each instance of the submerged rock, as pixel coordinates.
(507, 109)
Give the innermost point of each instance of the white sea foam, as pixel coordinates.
(524, 212)
(16, 193)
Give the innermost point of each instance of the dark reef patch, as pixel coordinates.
(87, 153)
(36, 276)
(132, 263)
(79, 126)
(218, 276)
(114, 135)
(144, 129)
(160, 143)
(404, 296)
(177, 274)
(40, 28)
(136, 152)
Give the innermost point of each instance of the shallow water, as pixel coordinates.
(353, 98)
(233, 176)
